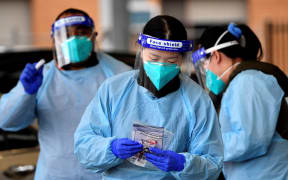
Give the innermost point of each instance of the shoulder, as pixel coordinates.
(254, 78)
(48, 69)
(119, 82)
(254, 82)
(110, 62)
(191, 87)
(49, 66)
(195, 93)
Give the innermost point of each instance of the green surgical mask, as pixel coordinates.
(213, 83)
(161, 73)
(77, 48)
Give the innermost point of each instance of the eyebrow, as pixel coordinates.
(155, 55)
(172, 57)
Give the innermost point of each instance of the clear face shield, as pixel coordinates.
(73, 39)
(164, 52)
(162, 59)
(201, 61)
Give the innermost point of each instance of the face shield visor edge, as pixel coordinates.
(184, 47)
(201, 62)
(161, 72)
(73, 38)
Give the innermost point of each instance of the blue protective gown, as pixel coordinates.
(188, 113)
(248, 118)
(58, 106)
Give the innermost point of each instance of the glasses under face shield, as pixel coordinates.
(73, 39)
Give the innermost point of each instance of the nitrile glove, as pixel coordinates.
(31, 78)
(124, 147)
(166, 160)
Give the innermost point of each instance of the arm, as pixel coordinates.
(17, 109)
(205, 154)
(93, 138)
(203, 159)
(249, 117)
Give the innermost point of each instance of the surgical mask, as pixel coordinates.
(161, 73)
(77, 48)
(215, 83)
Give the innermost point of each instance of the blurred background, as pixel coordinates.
(25, 24)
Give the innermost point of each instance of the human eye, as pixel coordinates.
(172, 59)
(154, 58)
(82, 31)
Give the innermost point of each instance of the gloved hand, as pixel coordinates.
(124, 147)
(31, 78)
(166, 160)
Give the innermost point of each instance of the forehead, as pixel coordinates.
(74, 28)
(149, 51)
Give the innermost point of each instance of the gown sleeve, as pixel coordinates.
(249, 116)
(17, 109)
(93, 135)
(204, 158)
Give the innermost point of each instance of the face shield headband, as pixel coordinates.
(202, 53)
(199, 57)
(164, 44)
(161, 78)
(235, 31)
(72, 21)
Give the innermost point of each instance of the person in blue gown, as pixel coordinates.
(250, 106)
(58, 93)
(156, 112)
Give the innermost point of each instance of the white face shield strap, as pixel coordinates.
(202, 53)
(200, 56)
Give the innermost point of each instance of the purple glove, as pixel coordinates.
(124, 147)
(31, 78)
(166, 160)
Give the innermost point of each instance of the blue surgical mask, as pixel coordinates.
(77, 48)
(161, 73)
(214, 83)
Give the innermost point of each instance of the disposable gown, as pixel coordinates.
(58, 106)
(248, 118)
(187, 113)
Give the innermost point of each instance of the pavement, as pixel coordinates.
(25, 156)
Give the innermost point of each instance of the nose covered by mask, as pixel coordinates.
(77, 48)
(215, 83)
(161, 73)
